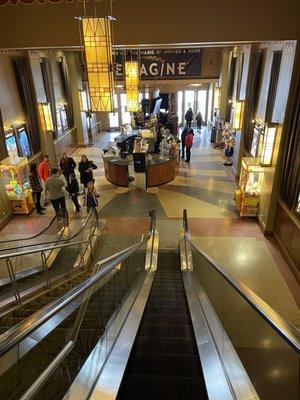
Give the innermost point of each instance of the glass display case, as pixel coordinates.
(15, 175)
(247, 195)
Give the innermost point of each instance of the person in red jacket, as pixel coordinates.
(44, 172)
(189, 144)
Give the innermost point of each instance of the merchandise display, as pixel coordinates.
(247, 196)
(15, 175)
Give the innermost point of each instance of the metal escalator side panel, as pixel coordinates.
(102, 374)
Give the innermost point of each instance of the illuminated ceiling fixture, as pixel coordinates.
(195, 84)
(97, 41)
(268, 145)
(132, 85)
(238, 107)
(46, 117)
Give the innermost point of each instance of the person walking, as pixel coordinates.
(44, 171)
(183, 136)
(36, 188)
(73, 189)
(54, 185)
(189, 144)
(189, 117)
(86, 168)
(199, 121)
(67, 166)
(91, 197)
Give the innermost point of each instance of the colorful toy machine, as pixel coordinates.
(15, 175)
(247, 195)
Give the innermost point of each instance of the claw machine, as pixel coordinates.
(247, 195)
(15, 174)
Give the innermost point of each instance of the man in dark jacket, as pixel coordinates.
(189, 117)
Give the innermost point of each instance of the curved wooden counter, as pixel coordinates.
(159, 172)
(116, 171)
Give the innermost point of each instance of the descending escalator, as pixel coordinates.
(164, 361)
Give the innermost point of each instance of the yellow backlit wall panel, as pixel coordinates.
(132, 85)
(98, 54)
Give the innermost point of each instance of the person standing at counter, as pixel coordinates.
(189, 144)
(86, 168)
(67, 166)
(183, 136)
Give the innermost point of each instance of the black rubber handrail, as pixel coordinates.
(30, 237)
(289, 333)
(45, 244)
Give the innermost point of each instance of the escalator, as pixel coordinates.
(152, 325)
(164, 362)
(50, 262)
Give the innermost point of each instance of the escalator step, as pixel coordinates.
(167, 302)
(166, 310)
(161, 345)
(164, 364)
(161, 388)
(164, 330)
(169, 319)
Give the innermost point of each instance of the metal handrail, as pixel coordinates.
(8, 255)
(289, 333)
(16, 334)
(29, 237)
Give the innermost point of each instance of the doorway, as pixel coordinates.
(198, 99)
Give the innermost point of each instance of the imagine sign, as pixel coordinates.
(161, 64)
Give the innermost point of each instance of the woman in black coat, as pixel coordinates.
(67, 166)
(86, 168)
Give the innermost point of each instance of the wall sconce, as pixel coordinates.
(268, 145)
(46, 117)
(217, 98)
(132, 85)
(97, 41)
(83, 100)
(238, 111)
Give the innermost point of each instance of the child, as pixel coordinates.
(73, 189)
(91, 197)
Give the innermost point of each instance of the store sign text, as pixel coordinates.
(162, 63)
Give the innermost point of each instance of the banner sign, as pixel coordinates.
(161, 64)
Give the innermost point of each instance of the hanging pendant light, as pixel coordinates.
(97, 42)
(132, 85)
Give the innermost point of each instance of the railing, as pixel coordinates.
(19, 242)
(267, 345)
(35, 261)
(88, 308)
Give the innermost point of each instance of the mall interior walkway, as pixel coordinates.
(205, 188)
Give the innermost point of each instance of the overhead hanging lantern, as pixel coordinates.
(98, 54)
(46, 117)
(132, 85)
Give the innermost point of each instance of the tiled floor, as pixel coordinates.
(205, 189)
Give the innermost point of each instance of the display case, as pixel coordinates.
(15, 175)
(247, 195)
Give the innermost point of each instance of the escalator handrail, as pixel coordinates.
(16, 334)
(29, 237)
(46, 244)
(289, 333)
